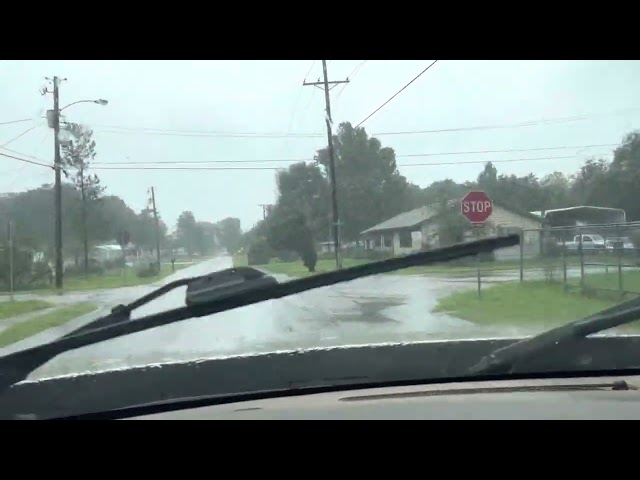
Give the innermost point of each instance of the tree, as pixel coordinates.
(370, 188)
(288, 230)
(229, 234)
(303, 187)
(77, 153)
(187, 231)
(207, 237)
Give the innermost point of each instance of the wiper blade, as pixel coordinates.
(17, 366)
(506, 359)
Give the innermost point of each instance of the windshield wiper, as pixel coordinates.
(216, 293)
(506, 359)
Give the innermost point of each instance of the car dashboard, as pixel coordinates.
(610, 398)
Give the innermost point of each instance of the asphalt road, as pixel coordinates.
(385, 308)
(378, 309)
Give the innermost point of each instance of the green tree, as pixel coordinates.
(77, 153)
(229, 234)
(288, 230)
(187, 231)
(370, 188)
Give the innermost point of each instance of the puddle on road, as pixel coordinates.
(368, 310)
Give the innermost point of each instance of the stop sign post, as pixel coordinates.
(476, 206)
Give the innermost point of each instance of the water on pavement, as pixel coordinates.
(385, 308)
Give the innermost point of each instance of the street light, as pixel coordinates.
(100, 101)
(53, 117)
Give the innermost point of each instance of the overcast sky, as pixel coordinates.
(240, 97)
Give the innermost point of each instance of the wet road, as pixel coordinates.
(384, 308)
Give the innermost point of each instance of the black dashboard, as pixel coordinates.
(608, 398)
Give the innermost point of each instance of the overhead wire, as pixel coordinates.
(350, 76)
(484, 161)
(25, 160)
(294, 160)
(202, 133)
(397, 93)
(19, 135)
(17, 121)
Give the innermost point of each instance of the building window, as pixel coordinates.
(405, 240)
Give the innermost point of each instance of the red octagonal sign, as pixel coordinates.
(476, 207)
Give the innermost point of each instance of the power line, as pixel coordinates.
(508, 160)
(27, 161)
(397, 93)
(202, 133)
(18, 136)
(400, 165)
(309, 71)
(161, 132)
(350, 76)
(17, 121)
(294, 160)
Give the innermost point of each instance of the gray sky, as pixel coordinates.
(267, 97)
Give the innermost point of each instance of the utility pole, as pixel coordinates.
(57, 165)
(265, 209)
(155, 214)
(332, 164)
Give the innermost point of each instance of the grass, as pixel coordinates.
(60, 316)
(297, 269)
(14, 308)
(530, 304)
(630, 280)
(513, 303)
(116, 278)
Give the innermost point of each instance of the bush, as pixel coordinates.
(259, 252)
(147, 270)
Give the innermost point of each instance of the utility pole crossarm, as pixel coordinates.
(323, 83)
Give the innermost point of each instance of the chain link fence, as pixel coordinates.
(592, 258)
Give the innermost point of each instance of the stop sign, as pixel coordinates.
(476, 207)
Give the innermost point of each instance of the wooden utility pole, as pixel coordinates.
(155, 214)
(265, 209)
(332, 166)
(57, 165)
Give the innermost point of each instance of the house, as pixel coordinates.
(404, 233)
(419, 229)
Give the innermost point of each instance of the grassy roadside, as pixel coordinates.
(531, 304)
(15, 308)
(28, 328)
(116, 278)
(297, 269)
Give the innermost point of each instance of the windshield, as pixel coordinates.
(118, 177)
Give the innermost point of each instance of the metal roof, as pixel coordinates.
(409, 219)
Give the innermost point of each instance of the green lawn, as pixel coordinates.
(536, 304)
(297, 269)
(60, 316)
(9, 309)
(115, 278)
(630, 280)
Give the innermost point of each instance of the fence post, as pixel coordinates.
(620, 251)
(11, 258)
(581, 260)
(564, 263)
(521, 255)
(479, 278)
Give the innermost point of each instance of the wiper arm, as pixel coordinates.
(17, 366)
(506, 359)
